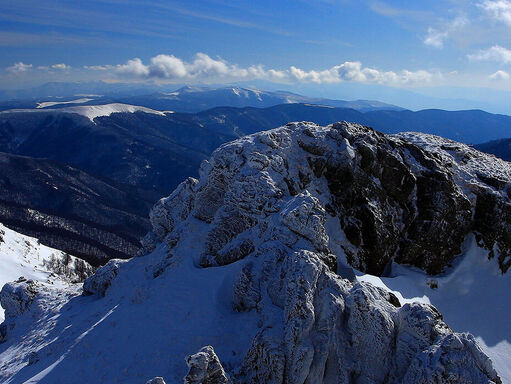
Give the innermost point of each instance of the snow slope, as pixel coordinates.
(22, 255)
(144, 327)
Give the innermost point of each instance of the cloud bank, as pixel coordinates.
(204, 68)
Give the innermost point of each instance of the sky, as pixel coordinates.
(435, 47)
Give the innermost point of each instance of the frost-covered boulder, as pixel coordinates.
(169, 211)
(102, 279)
(334, 331)
(205, 368)
(17, 296)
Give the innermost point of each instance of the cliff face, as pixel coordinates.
(253, 262)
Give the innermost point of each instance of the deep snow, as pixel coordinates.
(88, 340)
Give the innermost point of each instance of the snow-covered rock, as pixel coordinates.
(102, 279)
(205, 368)
(15, 297)
(392, 198)
(245, 260)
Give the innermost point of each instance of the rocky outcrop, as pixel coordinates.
(297, 204)
(205, 368)
(100, 281)
(329, 325)
(409, 198)
(17, 296)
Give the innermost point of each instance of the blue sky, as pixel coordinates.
(401, 44)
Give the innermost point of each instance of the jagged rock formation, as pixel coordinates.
(295, 202)
(409, 198)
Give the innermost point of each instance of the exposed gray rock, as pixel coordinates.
(205, 368)
(102, 279)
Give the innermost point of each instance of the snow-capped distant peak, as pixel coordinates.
(93, 111)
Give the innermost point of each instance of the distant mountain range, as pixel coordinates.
(157, 150)
(185, 99)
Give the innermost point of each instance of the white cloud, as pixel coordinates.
(499, 75)
(60, 66)
(19, 67)
(132, 68)
(206, 69)
(499, 10)
(495, 53)
(436, 37)
(98, 67)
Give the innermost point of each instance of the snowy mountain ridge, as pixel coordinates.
(255, 259)
(92, 111)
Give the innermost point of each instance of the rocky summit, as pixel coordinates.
(251, 270)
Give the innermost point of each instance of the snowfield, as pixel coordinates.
(255, 259)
